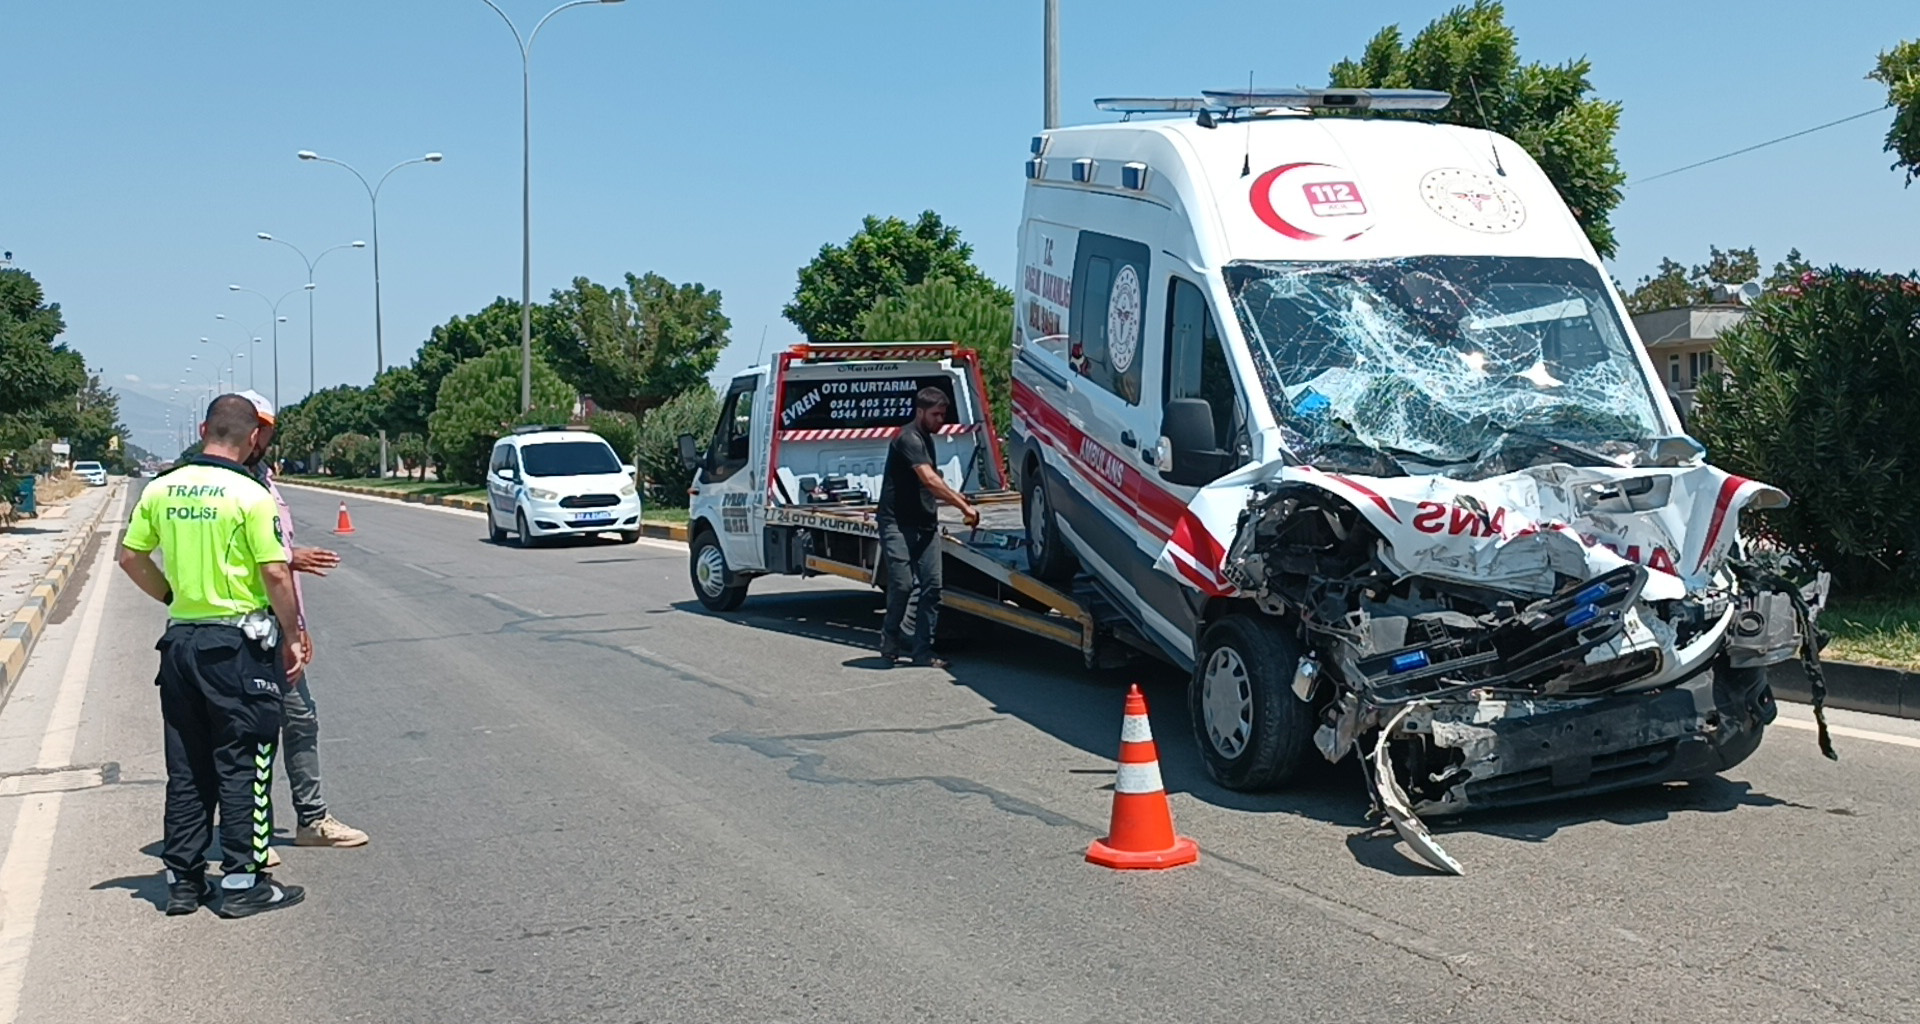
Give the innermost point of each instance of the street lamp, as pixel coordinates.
(233, 355)
(526, 187)
(311, 263)
(373, 200)
(274, 304)
(254, 340)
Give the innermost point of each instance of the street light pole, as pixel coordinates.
(251, 340)
(311, 263)
(526, 186)
(233, 356)
(373, 200)
(274, 304)
(1050, 64)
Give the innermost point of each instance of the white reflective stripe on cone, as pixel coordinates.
(1134, 729)
(1138, 778)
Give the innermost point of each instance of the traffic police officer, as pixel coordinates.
(224, 660)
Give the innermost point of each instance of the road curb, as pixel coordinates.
(28, 621)
(655, 530)
(1869, 688)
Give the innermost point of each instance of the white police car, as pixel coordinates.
(554, 481)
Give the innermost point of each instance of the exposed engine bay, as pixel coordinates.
(1550, 633)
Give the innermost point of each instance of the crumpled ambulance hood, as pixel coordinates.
(1512, 532)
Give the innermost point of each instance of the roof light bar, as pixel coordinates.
(1150, 105)
(1329, 99)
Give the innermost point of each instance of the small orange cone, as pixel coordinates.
(345, 525)
(1141, 834)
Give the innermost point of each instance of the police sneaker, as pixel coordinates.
(186, 895)
(263, 895)
(329, 831)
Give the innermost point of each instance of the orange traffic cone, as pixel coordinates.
(1141, 834)
(345, 525)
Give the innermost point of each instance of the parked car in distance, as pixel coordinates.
(92, 472)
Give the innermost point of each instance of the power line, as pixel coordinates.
(1760, 145)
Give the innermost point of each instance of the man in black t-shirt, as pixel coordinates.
(910, 529)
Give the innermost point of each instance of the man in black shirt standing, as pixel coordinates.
(910, 529)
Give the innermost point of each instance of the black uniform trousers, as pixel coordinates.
(220, 700)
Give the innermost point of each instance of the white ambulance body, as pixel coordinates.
(1303, 392)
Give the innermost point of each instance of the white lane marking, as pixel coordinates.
(653, 542)
(1851, 733)
(23, 875)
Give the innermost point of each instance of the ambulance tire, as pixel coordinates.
(1047, 555)
(1252, 731)
(722, 591)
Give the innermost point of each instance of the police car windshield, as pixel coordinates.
(568, 458)
(1445, 359)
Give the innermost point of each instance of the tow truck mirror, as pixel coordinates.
(1195, 457)
(689, 452)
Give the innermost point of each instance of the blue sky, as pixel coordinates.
(724, 142)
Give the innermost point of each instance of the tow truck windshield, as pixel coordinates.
(569, 458)
(1454, 364)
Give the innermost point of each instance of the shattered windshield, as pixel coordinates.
(1444, 360)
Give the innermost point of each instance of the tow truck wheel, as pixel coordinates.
(1253, 732)
(713, 582)
(1047, 554)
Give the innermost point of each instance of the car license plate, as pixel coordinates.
(593, 517)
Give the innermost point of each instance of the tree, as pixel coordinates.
(692, 412)
(399, 401)
(882, 259)
(90, 421)
(480, 400)
(1674, 285)
(1818, 400)
(353, 455)
(1899, 70)
(307, 426)
(464, 337)
(36, 374)
(979, 318)
(411, 450)
(1471, 53)
(634, 348)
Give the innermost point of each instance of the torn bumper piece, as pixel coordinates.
(1449, 757)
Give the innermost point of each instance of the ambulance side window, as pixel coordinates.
(732, 436)
(1109, 303)
(1197, 364)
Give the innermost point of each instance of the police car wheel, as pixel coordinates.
(1253, 732)
(630, 537)
(522, 536)
(713, 583)
(494, 532)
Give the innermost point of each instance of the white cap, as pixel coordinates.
(260, 404)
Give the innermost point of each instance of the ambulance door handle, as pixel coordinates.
(1127, 438)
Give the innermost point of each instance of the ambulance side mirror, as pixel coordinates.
(1195, 456)
(690, 452)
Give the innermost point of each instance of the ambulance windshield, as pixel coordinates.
(1429, 362)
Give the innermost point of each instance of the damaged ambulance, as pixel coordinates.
(1338, 409)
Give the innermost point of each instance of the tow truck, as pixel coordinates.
(788, 482)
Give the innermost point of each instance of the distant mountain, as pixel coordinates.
(147, 422)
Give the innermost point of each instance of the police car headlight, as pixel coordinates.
(539, 495)
(629, 491)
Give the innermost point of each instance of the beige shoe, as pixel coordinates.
(329, 831)
(273, 857)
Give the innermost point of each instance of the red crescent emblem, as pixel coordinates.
(1262, 198)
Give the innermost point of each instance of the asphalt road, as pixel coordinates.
(592, 801)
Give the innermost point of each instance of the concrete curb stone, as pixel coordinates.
(28, 621)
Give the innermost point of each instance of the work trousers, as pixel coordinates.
(220, 700)
(300, 746)
(912, 559)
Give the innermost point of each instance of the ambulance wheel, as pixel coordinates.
(1253, 732)
(522, 536)
(1047, 554)
(494, 532)
(713, 583)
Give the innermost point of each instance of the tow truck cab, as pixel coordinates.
(1346, 415)
(808, 435)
